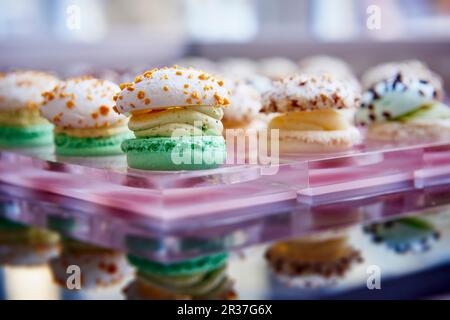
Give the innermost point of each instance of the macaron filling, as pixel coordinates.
(188, 121)
(315, 120)
(24, 127)
(22, 118)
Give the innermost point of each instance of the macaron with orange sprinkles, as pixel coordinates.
(85, 123)
(21, 125)
(176, 117)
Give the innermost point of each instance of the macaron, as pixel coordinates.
(277, 68)
(20, 98)
(409, 68)
(197, 63)
(85, 123)
(322, 64)
(312, 262)
(404, 108)
(314, 113)
(176, 117)
(404, 235)
(100, 267)
(201, 278)
(245, 103)
(237, 68)
(185, 267)
(21, 245)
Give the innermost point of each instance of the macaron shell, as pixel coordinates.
(318, 141)
(392, 98)
(82, 103)
(23, 89)
(205, 152)
(186, 267)
(89, 147)
(18, 137)
(310, 92)
(172, 87)
(413, 131)
(411, 68)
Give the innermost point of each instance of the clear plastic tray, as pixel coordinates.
(128, 232)
(169, 196)
(173, 215)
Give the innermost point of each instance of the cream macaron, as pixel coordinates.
(176, 117)
(277, 68)
(315, 113)
(245, 103)
(322, 64)
(414, 69)
(85, 123)
(405, 107)
(20, 98)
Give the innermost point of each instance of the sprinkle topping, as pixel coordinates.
(172, 87)
(82, 103)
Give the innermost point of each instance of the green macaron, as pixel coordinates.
(6, 224)
(20, 137)
(69, 146)
(186, 267)
(175, 153)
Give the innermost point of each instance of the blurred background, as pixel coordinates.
(65, 34)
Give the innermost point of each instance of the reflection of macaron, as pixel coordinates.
(200, 278)
(86, 125)
(316, 113)
(404, 235)
(312, 262)
(245, 103)
(175, 115)
(100, 267)
(26, 246)
(404, 108)
(20, 98)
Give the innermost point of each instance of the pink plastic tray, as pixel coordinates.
(169, 196)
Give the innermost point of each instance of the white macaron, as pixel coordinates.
(23, 89)
(82, 103)
(172, 87)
